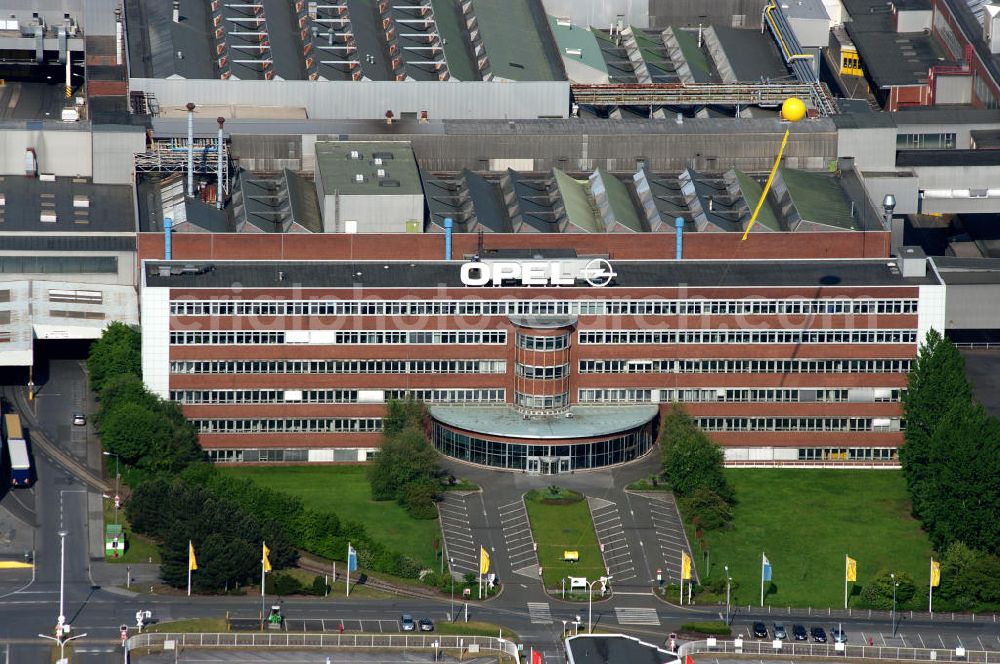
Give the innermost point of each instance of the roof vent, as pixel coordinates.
(359, 178)
(354, 155)
(378, 161)
(380, 173)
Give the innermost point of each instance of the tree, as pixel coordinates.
(118, 351)
(402, 414)
(963, 495)
(936, 386)
(405, 457)
(132, 430)
(877, 593)
(970, 579)
(691, 460)
(121, 389)
(708, 508)
(418, 498)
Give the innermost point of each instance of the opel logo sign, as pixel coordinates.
(599, 273)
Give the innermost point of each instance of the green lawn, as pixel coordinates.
(344, 491)
(807, 521)
(564, 527)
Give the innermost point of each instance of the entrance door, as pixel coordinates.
(564, 464)
(534, 465)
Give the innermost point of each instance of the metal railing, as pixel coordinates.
(839, 651)
(979, 344)
(297, 640)
(913, 616)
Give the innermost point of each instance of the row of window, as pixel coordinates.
(541, 401)
(605, 337)
(744, 366)
(282, 455)
(847, 453)
(291, 425)
(339, 367)
(739, 395)
(530, 342)
(200, 397)
(545, 373)
(341, 337)
(650, 307)
(798, 424)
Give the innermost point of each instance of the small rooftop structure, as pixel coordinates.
(369, 187)
(49, 204)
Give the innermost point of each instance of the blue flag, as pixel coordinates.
(766, 570)
(352, 558)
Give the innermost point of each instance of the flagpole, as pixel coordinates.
(846, 567)
(762, 579)
(347, 580)
(682, 585)
(263, 556)
(930, 590)
(190, 547)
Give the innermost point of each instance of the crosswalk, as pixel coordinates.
(636, 616)
(540, 613)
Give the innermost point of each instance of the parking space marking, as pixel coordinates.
(669, 533)
(611, 535)
(453, 516)
(518, 539)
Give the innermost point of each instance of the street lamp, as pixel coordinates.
(117, 478)
(62, 579)
(590, 601)
(729, 581)
(451, 561)
(62, 644)
(894, 586)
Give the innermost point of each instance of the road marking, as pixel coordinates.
(636, 616)
(941, 639)
(540, 613)
(921, 640)
(981, 644)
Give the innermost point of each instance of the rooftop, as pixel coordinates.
(614, 648)
(580, 422)
(947, 158)
(891, 58)
(956, 271)
(753, 55)
(66, 205)
(436, 274)
(351, 40)
(376, 169)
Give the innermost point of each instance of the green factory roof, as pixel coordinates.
(338, 163)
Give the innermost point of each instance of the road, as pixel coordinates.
(58, 500)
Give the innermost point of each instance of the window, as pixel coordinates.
(934, 141)
(765, 336)
(289, 425)
(541, 402)
(529, 342)
(340, 337)
(744, 366)
(798, 424)
(543, 373)
(338, 367)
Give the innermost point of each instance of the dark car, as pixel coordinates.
(426, 625)
(759, 630)
(779, 631)
(799, 632)
(818, 634)
(406, 623)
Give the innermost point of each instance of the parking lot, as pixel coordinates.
(368, 626)
(669, 530)
(904, 638)
(611, 535)
(457, 533)
(518, 540)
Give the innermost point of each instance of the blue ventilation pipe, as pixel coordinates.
(679, 227)
(167, 223)
(448, 223)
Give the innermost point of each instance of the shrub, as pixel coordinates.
(877, 593)
(285, 584)
(707, 509)
(716, 627)
(319, 586)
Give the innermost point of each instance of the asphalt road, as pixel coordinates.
(57, 500)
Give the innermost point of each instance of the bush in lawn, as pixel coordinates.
(419, 498)
(284, 584)
(970, 579)
(319, 586)
(716, 627)
(877, 593)
(708, 507)
(403, 458)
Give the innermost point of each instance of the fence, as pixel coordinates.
(296, 640)
(916, 616)
(839, 651)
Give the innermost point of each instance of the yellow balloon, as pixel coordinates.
(793, 109)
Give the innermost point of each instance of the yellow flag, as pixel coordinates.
(935, 573)
(192, 561)
(484, 560)
(685, 566)
(852, 569)
(266, 561)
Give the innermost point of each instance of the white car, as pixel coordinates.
(79, 419)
